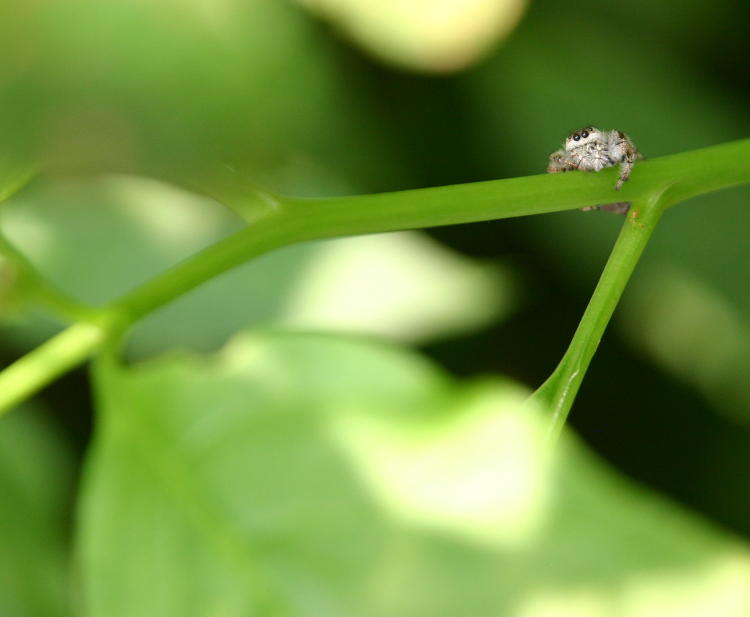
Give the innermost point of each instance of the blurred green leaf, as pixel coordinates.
(311, 475)
(35, 476)
(97, 239)
(403, 286)
(695, 333)
(178, 88)
(427, 35)
(14, 175)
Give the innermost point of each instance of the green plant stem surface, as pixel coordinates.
(558, 392)
(276, 221)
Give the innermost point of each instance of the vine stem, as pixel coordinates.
(275, 221)
(51, 359)
(79, 341)
(558, 392)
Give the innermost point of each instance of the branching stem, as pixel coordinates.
(275, 221)
(558, 392)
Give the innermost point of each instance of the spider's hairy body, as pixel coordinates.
(590, 149)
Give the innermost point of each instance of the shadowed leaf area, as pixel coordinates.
(33, 560)
(313, 475)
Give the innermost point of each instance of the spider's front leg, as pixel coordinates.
(560, 161)
(624, 151)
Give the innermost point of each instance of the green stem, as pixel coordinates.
(676, 177)
(558, 392)
(276, 222)
(268, 233)
(53, 358)
(78, 342)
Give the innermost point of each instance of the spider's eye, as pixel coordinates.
(585, 134)
(576, 137)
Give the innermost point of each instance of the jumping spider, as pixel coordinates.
(591, 149)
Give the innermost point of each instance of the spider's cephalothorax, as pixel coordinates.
(591, 149)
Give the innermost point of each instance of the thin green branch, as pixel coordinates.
(50, 360)
(558, 392)
(276, 222)
(266, 234)
(676, 177)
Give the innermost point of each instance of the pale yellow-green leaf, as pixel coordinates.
(428, 35)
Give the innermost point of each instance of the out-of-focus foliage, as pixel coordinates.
(695, 333)
(401, 286)
(324, 476)
(35, 471)
(310, 475)
(175, 88)
(430, 35)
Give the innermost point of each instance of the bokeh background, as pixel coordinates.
(123, 102)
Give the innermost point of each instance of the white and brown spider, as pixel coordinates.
(590, 149)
